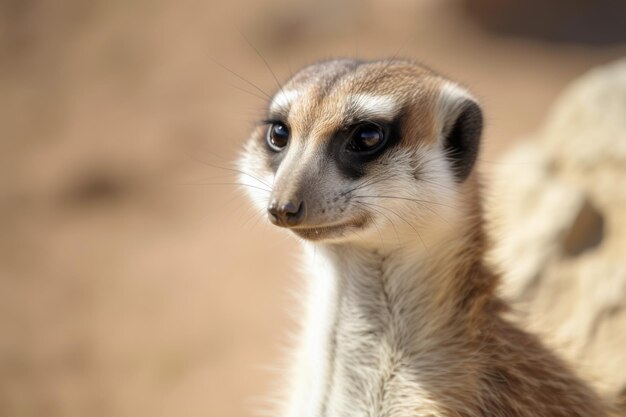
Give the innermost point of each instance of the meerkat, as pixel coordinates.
(371, 165)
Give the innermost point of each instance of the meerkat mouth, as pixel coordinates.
(328, 231)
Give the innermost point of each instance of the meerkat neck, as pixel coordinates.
(369, 308)
(419, 288)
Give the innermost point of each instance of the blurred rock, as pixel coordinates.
(558, 212)
(587, 21)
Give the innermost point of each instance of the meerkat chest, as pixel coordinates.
(371, 372)
(365, 359)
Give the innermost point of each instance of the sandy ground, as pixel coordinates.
(124, 289)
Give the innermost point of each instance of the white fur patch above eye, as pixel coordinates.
(283, 99)
(370, 105)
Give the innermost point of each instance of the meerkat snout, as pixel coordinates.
(288, 213)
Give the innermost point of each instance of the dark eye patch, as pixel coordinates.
(354, 164)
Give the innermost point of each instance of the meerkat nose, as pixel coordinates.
(286, 214)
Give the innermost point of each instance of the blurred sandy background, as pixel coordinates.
(126, 291)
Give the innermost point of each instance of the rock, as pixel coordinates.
(582, 21)
(558, 216)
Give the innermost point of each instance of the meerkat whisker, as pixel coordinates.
(413, 200)
(255, 216)
(422, 203)
(228, 184)
(369, 182)
(234, 170)
(382, 214)
(250, 83)
(252, 93)
(412, 227)
(267, 65)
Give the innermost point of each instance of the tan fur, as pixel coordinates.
(402, 317)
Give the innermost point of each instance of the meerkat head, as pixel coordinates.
(355, 150)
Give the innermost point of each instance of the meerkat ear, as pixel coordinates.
(461, 124)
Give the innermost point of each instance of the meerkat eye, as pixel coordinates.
(367, 138)
(277, 136)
